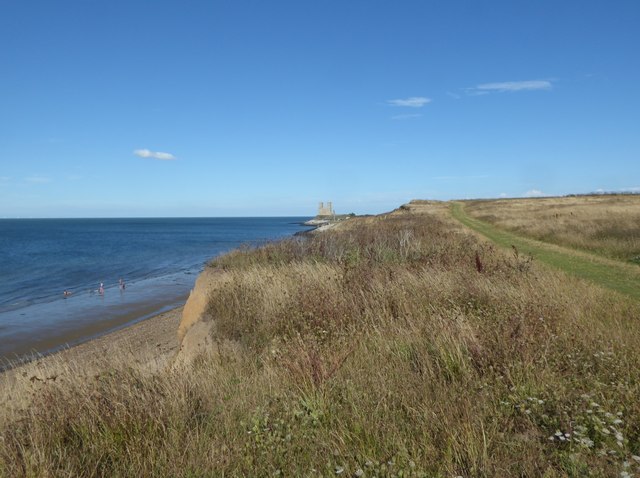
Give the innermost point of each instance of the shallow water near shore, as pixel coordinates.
(158, 259)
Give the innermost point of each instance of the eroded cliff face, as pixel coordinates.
(194, 331)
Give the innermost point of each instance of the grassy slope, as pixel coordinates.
(614, 275)
(376, 349)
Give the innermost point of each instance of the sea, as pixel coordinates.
(157, 259)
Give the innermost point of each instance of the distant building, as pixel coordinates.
(325, 210)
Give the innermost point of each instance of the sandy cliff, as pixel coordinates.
(194, 331)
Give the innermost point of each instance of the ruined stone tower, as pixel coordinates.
(325, 210)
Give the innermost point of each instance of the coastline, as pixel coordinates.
(149, 344)
(79, 334)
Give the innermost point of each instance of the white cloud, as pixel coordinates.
(455, 96)
(510, 86)
(412, 102)
(38, 179)
(534, 193)
(145, 153)
(502, 195)
(407, 116)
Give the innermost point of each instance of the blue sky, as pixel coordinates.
(242, 108)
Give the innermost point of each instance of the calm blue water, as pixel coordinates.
(158, 259)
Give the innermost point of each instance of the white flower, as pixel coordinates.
(587, 442)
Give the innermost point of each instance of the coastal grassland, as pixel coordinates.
(608, 225)
(615, 275)
(399, 345)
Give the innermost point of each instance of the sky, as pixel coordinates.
(129, 108)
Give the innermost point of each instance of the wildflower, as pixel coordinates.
(586, 442)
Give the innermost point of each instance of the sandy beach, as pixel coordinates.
(149, 345)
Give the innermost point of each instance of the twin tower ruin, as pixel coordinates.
(325, 210)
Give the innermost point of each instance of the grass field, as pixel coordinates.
(624, 278)
(398, 345)
(607, 225)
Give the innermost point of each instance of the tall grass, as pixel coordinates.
(607, 225)
(378, 349)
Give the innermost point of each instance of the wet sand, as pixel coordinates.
(47, 327)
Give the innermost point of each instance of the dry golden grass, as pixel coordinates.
(399, 346)
(608, 225)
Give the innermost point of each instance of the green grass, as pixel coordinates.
(608, 273)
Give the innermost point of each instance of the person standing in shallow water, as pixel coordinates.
(122, 286)
(101, 289)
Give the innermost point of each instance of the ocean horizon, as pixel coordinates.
(157, 260)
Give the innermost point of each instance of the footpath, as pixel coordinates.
(621, 277)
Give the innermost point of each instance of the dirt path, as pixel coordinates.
(608, 273)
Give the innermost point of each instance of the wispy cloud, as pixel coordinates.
(412, 102)
(455, 96)
(510, 87)
(407, 116)
(623, 190)
(461, 177)
(502, 195)
(146, 153)
(534, 193)
(38, 179)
